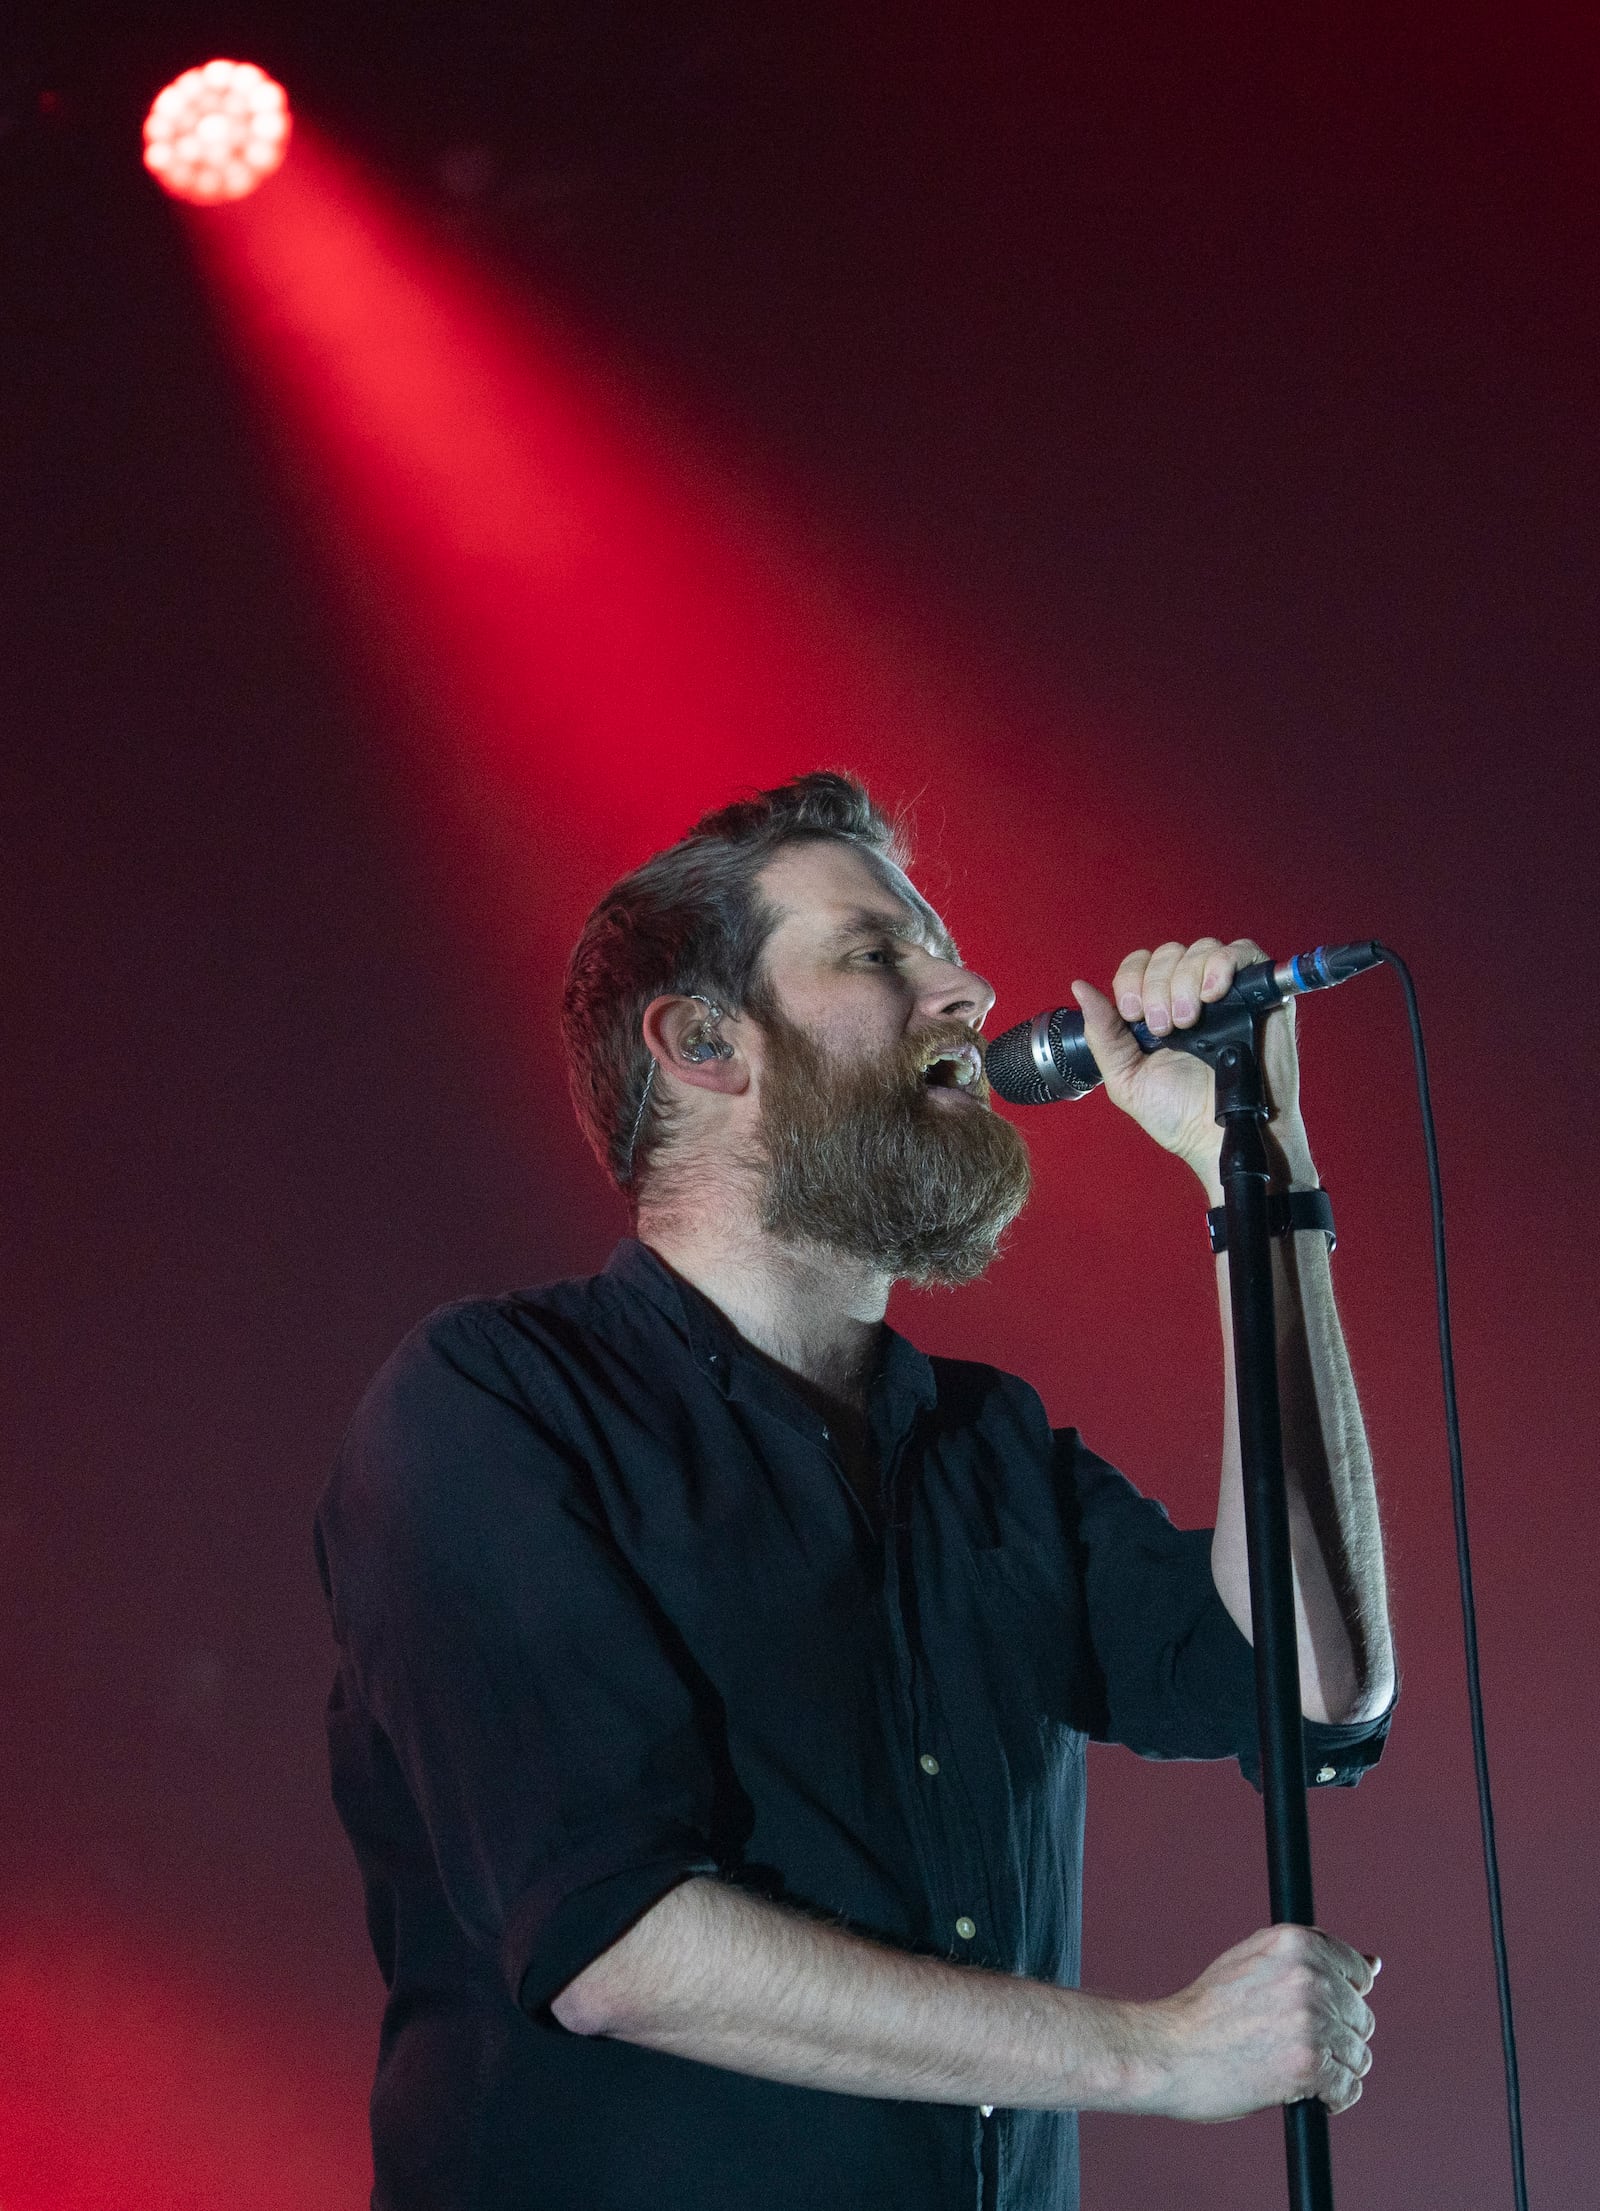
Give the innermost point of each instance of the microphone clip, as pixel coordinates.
(1226, 1041)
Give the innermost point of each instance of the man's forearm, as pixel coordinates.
(729, 1979)
(1346, 1663)
(1346, 1658)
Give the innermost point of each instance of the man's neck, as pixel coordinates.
(811, 1310)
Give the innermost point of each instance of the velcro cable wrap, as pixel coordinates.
(1288, 1211)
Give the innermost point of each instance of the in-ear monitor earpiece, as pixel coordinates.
(700, 1045)
(697, 1047)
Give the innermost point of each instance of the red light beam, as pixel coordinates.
(615, 633)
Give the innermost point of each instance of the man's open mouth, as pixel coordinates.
(954, 1067)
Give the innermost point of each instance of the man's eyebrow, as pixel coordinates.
(908, 927)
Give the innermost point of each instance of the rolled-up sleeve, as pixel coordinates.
(547, 1729)
(1178, 1676)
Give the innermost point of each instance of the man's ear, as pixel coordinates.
(690, 1042)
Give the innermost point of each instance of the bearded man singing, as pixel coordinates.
(716, 1670)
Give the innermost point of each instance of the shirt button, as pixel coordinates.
(1327, 1773)
(827, 1435)
(986, 2111)
(928, 1762)
(966, 1929)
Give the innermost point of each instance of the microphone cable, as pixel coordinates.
(1469, 1610)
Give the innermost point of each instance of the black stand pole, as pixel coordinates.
(1242, 1113)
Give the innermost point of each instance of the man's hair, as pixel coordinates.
(691, 920)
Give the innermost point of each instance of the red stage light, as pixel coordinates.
(217, 132)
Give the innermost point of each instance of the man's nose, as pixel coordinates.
(957, 994)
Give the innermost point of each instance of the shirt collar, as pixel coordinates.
(904, 1381)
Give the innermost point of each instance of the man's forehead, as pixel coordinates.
(833, 892)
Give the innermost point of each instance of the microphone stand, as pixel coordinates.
(1230, 1048)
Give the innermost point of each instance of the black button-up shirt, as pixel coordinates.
(609, 1614)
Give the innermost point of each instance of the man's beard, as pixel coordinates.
(859, 1158)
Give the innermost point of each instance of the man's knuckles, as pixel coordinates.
(1170, 986)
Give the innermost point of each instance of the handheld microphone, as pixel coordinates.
(1042, 1061)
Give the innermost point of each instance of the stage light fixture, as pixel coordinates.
(217, 132)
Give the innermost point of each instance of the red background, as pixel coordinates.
(1170, 443)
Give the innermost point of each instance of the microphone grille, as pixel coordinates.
(1010, 1066)
(1012, 1062)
